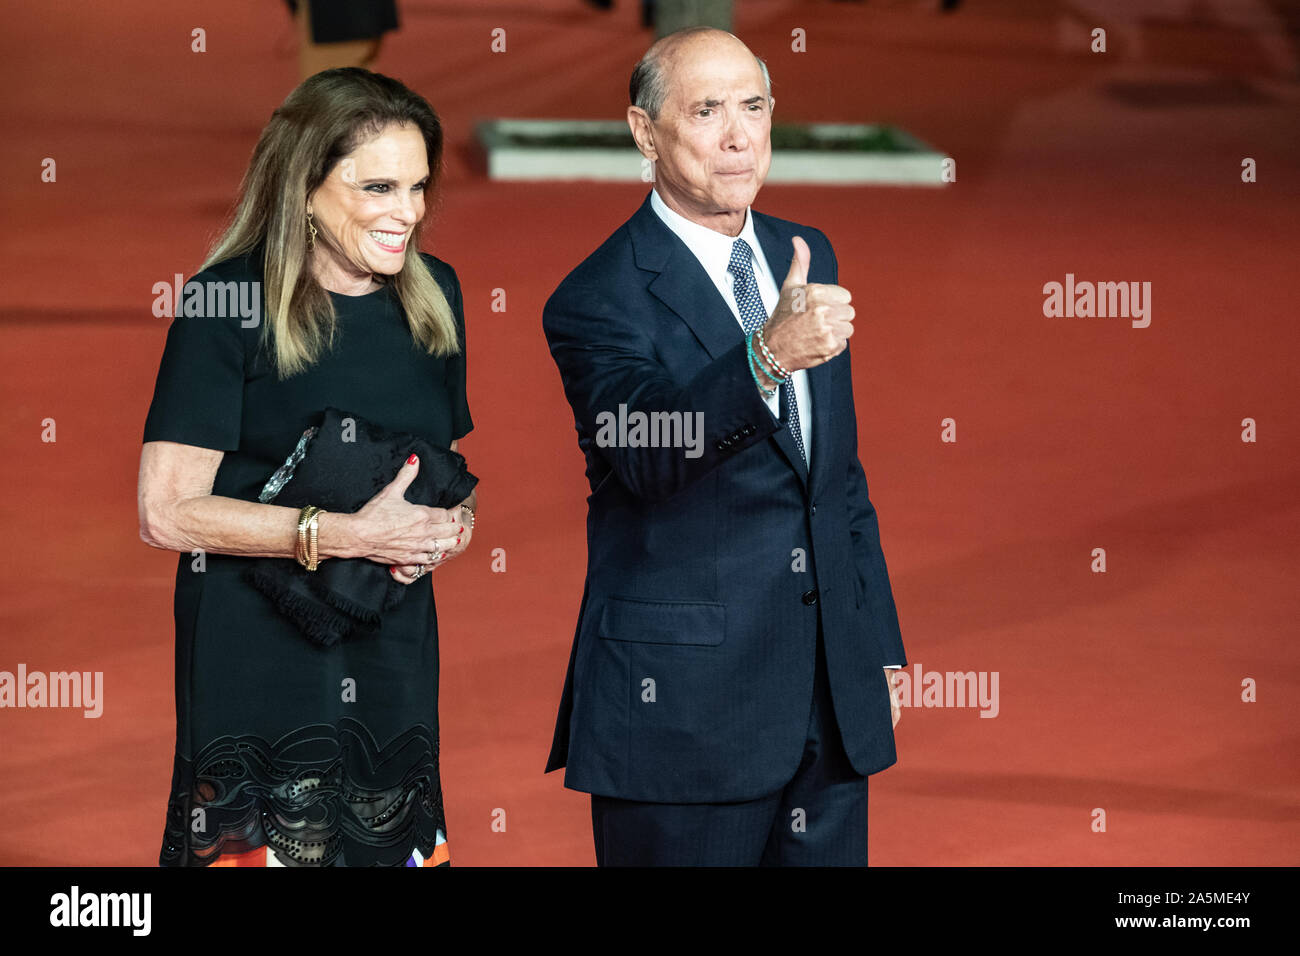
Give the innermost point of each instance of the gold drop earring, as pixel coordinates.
(311, 236)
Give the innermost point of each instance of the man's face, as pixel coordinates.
(712, 140)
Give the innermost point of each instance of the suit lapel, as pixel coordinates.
(681, 283)
(819, 384)
(686, 288)
(683, 286)
(785, 441)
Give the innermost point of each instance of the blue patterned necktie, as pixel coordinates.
(753, 316)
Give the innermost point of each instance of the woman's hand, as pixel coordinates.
(408, 573)
(390, 530)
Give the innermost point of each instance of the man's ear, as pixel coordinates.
(639, 122)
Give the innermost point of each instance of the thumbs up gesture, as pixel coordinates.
(812, 322)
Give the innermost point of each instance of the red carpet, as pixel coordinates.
(1120, 691)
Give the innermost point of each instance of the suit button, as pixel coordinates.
(813, 509)
(748, 430)
(810, 597)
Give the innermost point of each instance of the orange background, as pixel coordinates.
(1118, 690)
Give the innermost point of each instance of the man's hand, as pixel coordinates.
(895, 708)
(811, 323)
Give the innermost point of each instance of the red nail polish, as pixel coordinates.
(411, 460)
(392, 569)
(458, 540)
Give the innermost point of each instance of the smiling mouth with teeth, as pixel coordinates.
(392, 241)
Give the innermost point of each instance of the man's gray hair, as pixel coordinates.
(648, 87)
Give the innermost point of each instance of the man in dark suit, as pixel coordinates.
(729, 687)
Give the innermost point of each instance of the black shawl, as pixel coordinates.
(347, 596)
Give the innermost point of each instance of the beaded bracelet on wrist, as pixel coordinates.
(767, 373)
(776, 382)
(771, 359)
(754, 365)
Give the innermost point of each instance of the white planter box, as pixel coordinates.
(526, 150)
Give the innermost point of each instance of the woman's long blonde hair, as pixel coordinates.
(323, 120)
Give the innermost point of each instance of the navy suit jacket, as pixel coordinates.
(691, 674)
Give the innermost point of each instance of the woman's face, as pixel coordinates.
(370, 203)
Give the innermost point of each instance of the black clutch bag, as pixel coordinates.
(338, 466)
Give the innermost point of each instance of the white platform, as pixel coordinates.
(920, 165)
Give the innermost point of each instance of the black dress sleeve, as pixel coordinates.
(461, 423)
(199, 393)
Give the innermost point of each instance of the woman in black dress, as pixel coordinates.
(289, 753)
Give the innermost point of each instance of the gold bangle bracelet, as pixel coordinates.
(300, 545)
(313, 533)
(306, 548)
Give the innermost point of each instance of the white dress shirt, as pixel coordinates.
(713, 250)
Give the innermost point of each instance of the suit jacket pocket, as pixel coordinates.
(663, 622)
